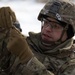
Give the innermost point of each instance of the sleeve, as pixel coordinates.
(33, 67)
(68, 68)
(29, 64)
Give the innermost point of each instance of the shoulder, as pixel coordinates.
(33, 36)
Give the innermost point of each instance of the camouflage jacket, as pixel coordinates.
(58, 59)
(11, 65)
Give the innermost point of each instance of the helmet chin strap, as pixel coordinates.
(60, 40)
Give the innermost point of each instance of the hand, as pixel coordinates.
(7, 17)
(18, 45)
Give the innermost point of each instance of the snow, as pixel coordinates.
(26, 12)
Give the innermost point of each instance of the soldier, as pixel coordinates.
(54, 46)
(16, 58)
(50, 52)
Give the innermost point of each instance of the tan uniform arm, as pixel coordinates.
(19, 47)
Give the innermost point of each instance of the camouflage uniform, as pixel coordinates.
(55, 59)
(11, 65)
(16, 57)
(59, 59)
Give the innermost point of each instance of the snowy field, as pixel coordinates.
(26, 12)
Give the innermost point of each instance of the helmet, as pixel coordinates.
(62, 10)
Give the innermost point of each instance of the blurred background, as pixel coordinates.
(26, 12)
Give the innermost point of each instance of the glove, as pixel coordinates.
(7, 17)
(18, 45)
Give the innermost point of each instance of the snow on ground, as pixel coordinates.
(26, 12)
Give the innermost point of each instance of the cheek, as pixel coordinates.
(56, 36)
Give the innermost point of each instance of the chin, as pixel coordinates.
(46, 38)
(46, 41)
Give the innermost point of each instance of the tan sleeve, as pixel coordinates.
(18, 46)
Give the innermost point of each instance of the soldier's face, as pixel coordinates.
(51, 30)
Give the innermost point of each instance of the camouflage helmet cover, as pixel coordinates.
(62, 10)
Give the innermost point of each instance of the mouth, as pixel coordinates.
(45, 35)
(46, 38)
